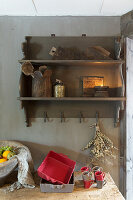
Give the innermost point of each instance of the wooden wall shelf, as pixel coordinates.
(72, 99)
(75, 62)
(36, 50)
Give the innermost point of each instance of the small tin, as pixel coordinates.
(46, 186)
(59, 89)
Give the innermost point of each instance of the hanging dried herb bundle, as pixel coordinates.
(101, 145)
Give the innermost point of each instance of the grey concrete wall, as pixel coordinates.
(68, 137)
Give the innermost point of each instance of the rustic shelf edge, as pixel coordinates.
(73, 61)
(71, 99)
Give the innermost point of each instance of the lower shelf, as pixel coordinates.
(72, 107)
(72, 99)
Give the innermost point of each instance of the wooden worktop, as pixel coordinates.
(109, 192)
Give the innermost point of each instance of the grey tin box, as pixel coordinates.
(46, 186)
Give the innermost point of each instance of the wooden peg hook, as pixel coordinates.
(62, 117)
(45, 117)
(97, 117)
(81, 117)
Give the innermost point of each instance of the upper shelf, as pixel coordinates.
(75, 62)
(72, 99)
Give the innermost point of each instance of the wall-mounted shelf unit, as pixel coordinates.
(36, 51)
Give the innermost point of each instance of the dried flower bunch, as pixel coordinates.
(101, 145)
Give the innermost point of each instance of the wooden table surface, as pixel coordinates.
(108, 192)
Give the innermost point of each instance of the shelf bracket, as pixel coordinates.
(119, 107)
(83, 34)
(118, 45)
(122, 80)
(26, 111)
(52, 34)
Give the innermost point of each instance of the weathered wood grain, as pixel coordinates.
(129, 120)
(109, 191)
(39, 47)
(72, 99)
(75, 62)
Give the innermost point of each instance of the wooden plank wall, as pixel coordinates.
(129, 121)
